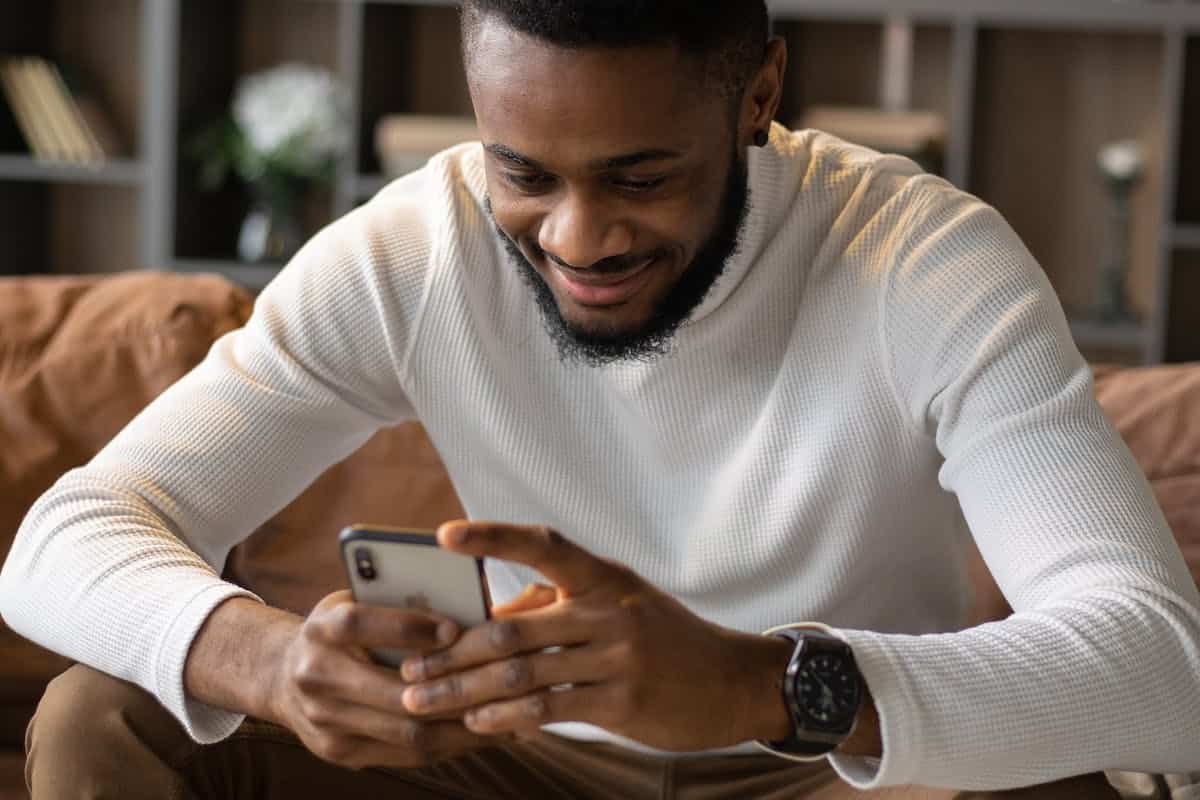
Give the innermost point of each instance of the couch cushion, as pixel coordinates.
(79, 357)
(395, 479)
(1157, 412)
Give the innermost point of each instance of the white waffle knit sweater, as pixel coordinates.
(882, 368)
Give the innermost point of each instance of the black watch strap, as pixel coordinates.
(805, 744)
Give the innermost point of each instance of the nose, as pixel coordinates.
(581, 231)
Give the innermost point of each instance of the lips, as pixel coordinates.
(602, 289)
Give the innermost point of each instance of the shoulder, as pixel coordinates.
(859, 194)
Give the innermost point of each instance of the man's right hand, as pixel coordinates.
(346, 708)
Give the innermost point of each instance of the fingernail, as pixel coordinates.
(414, 698)
(458, 534)
(446, 632)
(413, 670)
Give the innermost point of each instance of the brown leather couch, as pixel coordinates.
(79, 356)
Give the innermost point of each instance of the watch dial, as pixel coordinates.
(827, 689)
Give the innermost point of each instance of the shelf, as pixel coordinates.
(1132, 14)
(1090, 334)
(251, 276)
(115, 172)
(1183, 332)
(1186, 237)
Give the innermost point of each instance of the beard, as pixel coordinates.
(651, 339)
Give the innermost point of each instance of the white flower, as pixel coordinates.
(296, 105)
(1122, 161)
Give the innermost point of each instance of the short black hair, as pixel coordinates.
(729, 36)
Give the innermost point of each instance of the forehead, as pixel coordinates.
(575, 103)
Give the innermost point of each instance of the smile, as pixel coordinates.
(604, 290)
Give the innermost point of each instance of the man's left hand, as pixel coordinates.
(626, 656)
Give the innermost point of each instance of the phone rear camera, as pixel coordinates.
(364, 564)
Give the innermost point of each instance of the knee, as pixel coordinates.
(88, 722)
(77, 707)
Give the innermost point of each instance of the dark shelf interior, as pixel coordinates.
(1188, 185)
(57, 227)
(813, 46)
(23, 207)
(95, 43)
(1183, 327)
(206, 222)
(266, 33)
(411, 62)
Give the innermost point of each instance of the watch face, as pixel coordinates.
(827, 689)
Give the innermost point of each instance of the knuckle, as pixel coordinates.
(414, 738)
(335, 749)
(620, 571)
(625, 702)
(308, 671)
(436, 663)
(627, 622)
(345, 621)
(516, 674)
(453, 688)
(622, 653)
(313, 711)
(414, 632)
(505, 635)
(536, 708)
(550, 536)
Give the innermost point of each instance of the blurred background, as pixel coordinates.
(215, 135)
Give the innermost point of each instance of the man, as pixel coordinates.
(782, 375)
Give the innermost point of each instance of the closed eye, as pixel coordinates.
(640, 186)
(529, 181)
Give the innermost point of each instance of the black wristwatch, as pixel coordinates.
(822, 690)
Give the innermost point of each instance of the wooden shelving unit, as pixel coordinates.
(116, 172)
(1030, 89)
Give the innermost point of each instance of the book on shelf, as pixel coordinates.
(57, 121)
(404, 142)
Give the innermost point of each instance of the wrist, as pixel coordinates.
(767, 719)
(236, 655)
(865, 739)
(822, 651)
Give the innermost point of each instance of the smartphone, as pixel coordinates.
(402, 568)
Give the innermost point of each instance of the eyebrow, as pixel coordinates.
(615, 162)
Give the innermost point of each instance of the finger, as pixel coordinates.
(569, 567)
(575, 704)
(400, 743)
(357, 624)
(512, 677)
(501, 638)
(533, 596)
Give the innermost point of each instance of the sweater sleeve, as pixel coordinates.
(1097, 668)
(117, 566)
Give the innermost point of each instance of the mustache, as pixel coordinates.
(607, 266)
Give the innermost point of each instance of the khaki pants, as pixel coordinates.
(98, 737)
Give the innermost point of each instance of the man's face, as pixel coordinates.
(615, 181)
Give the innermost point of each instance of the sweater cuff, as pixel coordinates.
(898, 726)
(205, 724)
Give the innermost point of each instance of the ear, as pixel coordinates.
(763, 94)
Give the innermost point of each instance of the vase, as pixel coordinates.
(271, 231)
(1112, 302)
